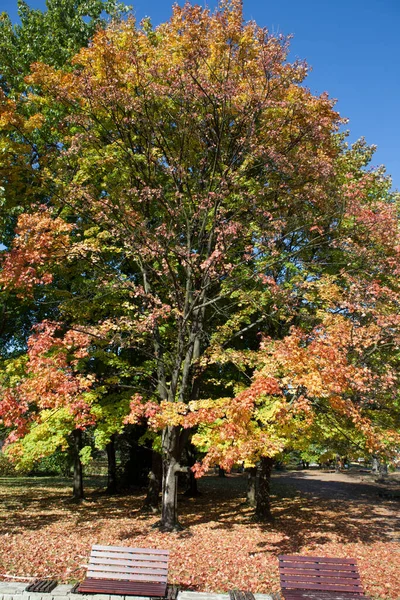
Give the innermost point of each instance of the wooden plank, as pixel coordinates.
(127, 549)
(334, 578)
(111, 584)
(128, 561)
(324, 595)
(122, 555)
(313, 566)
(315, 573)
(133, 564)
(336, 582)
(125, 576)
(145, 567)
(321, 594)
(113, 569)
(323, 586)
(108, 583)
(122, 588)
(317, 559)
(131, 555)
(331, 580)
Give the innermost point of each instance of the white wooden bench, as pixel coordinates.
(126, 571)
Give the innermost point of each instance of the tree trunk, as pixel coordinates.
(221, 472)
(338, 464)
(251, 492)
(383, 472)
(192, 490)
(169, 507)
(375, 464)
(112, 467)
(152, 501)
(263, 506)
(77, 484)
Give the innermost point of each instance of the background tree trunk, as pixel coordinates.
(338, 464)
(112, 467)
(169, 506)
(221, 472)
(77, 483)
(152, 501)
(375, 464)
(251, 492)
(192, 490)
(383, 471)
(263, 506)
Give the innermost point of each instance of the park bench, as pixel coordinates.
(317, 578)
(126, 571)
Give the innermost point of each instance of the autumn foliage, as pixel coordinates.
(197, 205)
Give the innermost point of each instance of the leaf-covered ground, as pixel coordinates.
(43, 534)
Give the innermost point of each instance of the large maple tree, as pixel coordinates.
(196, 185)
(333, 371)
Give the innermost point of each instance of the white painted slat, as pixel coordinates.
(144, 566)
(127, 549)
(144, 557)
(125, 577)
(116, 569)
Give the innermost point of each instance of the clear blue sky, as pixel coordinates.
(353, 47)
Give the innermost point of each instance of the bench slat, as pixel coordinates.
(113, 569)
(317, 580)
(142, 564)
(125, 576)
(310, 595)
(145, 567)
(317, 559)
(322, 586)
(136, 557)
(109, 583)
(308, 573)
(122, 587)
(313, 566)
(131, 550)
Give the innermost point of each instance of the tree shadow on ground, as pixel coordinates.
(221, 548)
(303, 518)
(300, 518)
(29, 504)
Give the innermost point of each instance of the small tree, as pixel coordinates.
(50, 402)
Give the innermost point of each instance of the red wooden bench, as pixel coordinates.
(126, 571)
(317, 578)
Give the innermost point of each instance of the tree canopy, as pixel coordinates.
(194, 206)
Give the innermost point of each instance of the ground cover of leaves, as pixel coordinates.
(43, 534)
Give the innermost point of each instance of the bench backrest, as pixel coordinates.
(318, 573)
(128, 564)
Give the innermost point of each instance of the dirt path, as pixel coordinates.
(354, 485)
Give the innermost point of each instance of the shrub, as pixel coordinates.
(6, 467)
